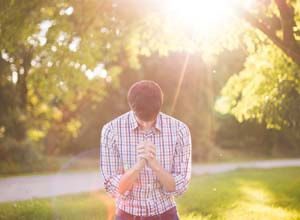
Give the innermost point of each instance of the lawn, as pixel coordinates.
(243, 194)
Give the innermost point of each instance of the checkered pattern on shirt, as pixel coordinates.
(119, 139)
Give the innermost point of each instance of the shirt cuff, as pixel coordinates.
(180, 186)
(112, 186)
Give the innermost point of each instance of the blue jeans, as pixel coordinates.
(170, 214)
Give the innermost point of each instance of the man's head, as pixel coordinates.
(145, 99)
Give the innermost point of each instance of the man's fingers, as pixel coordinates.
(140, 149)
(146, 150)
(140, 146)
(150, 149)
(150, 154)
(142, 155)
(150, 145)
(146, 154)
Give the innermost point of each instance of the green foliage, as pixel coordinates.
(48, 57)
(16, 25)
(267, 89)
(20, 156)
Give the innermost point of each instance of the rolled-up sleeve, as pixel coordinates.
(182, 163)
(111, 167)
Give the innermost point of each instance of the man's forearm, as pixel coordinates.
(164, 177)
(130, 176)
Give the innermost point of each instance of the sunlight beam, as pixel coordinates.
(203, 16)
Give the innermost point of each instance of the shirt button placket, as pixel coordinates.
(149, 200)
(149, 197)
(147, 137)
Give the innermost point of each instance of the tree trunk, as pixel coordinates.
(287, 43)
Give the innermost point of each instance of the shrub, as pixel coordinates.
(20, 156)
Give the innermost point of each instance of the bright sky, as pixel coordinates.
(203, 16)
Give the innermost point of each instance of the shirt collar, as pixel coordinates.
(134, 123)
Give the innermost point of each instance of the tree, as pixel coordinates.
(267, 89)
(279, 21)
(47, 52)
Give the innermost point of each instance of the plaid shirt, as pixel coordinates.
(119, 139)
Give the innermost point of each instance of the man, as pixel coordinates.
(145, 157)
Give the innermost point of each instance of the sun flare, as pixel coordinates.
(205, 16)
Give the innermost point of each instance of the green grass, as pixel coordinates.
(245, 194)
(83, 206)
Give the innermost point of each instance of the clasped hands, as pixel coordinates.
(146, 153)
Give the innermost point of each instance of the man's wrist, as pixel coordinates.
(155, 166)
(140, 164)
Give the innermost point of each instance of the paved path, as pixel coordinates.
(40, 186)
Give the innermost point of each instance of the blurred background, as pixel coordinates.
(228, 69)
(66, 67)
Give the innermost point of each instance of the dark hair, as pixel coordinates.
(145, 98)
